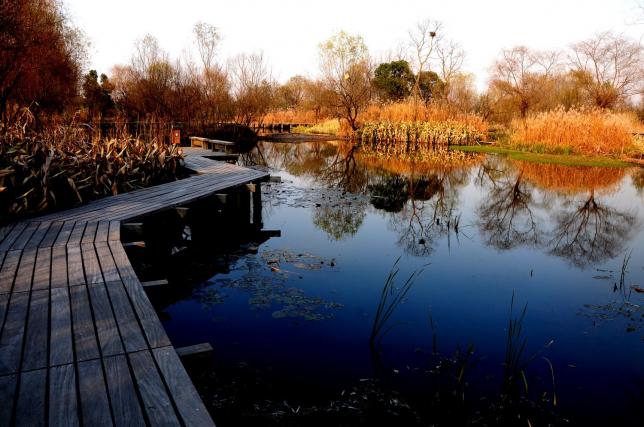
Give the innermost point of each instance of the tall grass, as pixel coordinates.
(592, 132)
(410, 111)
(391, 297)
(61, 167)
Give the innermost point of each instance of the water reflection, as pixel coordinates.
(557, 209)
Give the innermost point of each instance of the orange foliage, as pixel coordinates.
(571, 179)
(593, 132)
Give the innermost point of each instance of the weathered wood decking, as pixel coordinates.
(80, 343)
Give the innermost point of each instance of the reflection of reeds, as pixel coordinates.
(571, 179)
(390, 298)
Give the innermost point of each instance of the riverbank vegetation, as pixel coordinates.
(62, 167)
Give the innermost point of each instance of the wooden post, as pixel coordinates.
(257, 206)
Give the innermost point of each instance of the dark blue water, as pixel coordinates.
(303, 307)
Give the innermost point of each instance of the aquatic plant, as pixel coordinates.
(415, 136)
(391, 297)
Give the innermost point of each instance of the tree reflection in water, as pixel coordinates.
(589, 232)
(551, 207)
(506, 218)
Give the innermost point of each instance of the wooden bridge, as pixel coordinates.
(80, 343)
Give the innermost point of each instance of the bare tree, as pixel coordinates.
(252, 87)
(613, 67)
(347, 74)
(424, 38)
(520, 74)
(449, 58)
(208, 39)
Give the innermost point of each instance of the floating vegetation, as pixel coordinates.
(265, 277)
(625, 309)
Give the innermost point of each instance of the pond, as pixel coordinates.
(295, 321)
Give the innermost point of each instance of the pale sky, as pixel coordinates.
(289, 31)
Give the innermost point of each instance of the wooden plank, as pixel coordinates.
(75, 274)
(52, 234)
(58, 267)
(32, 393)
(83, 324)
(8, 271)
(90, 264)
(142, 306)
(5, 231)
(95, 407)
(43, 269)
(8, 385)
(108, 333)
(63, 407)
(115, 231)
(13, 333)
(12, 235)
(154, 283)
(194, 350)
(102, 232)
(155, 399)
(25, 272)
(38, 236)
(64, 233)
(110, 272)
(128, 325)
(61, 350)
(90, 232)
(21, 240)
(37, 337)
(4, 302)
(192, 410)
(125, 403)
(77, 233)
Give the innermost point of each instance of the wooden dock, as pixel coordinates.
(80, 343)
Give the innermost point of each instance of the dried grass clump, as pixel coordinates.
(59, 168)
(592, 132)
(411, 111)
(416, 139)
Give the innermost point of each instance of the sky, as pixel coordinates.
(288, 32)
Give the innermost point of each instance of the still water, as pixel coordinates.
(298, 310)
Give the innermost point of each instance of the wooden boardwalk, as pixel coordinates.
(80, 343)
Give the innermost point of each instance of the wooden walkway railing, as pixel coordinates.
(80, 343)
